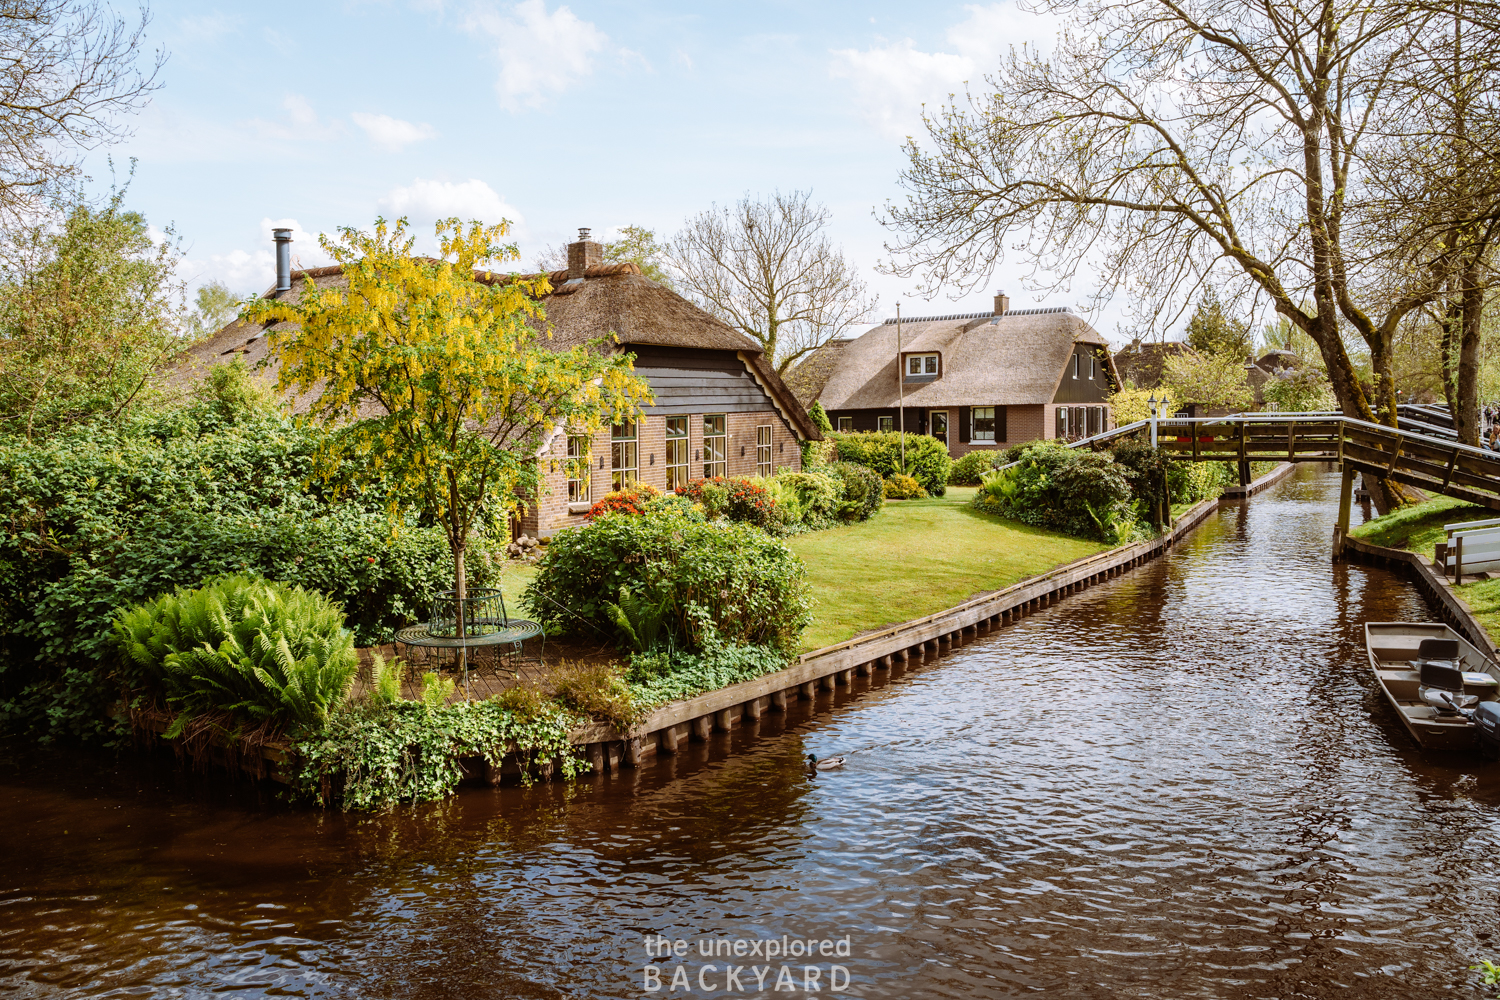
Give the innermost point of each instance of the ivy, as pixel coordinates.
(376, 756)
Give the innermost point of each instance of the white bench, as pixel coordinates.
(1473, 547)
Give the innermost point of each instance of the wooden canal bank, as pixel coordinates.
(1431, 582)
(895, 648)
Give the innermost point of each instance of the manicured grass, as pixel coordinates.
(514, 576)
(917, 557)
(1483, 598)
(1417, 528)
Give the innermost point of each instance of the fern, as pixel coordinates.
(244, 645)
(639, 618)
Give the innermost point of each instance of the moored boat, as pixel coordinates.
(1437, 682)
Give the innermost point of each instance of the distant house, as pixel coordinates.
(1142, 365)
(974, 381)
(719, 409)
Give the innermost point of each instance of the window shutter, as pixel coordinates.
(1000, 425)
(963, 425)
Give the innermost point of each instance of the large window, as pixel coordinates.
(885, 423)
(578, 468)
(763, 450)
(714, 447)
(624, 454)
(846, 425)
(983, 428)
(921, 364)
(677, 452)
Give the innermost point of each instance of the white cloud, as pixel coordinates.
(300, 122)
(426, 201)
(540, 54)
(892, 80)
(392, 133)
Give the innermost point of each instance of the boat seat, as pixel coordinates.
(1442, 684)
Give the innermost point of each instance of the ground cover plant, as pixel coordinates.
(927, 458)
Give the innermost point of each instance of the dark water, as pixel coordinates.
(1179, 784)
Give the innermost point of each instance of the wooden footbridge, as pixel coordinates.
(1412, 454)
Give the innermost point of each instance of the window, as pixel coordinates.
(885, 423)
(714, 446)
(677, 452)
(623, 453)
(1093, 364)
(578, 468)
(1096, 420)
(1062, 422)
(1075, 366)
(763, 450)
(846, 425)
(921, 364)
(984, 424)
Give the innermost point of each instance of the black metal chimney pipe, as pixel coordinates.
(283, 238)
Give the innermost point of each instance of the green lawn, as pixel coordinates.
(917, 557)
(1419, 527)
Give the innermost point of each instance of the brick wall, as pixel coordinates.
(551, 513)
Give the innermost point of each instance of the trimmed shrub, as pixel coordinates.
(819, 417)
(819, 495)
(899, 487)
(1079, 492)
(250, 647)
(720, 581)
(864, 490)
(927, 458)
(1145, 470)
(969, 469)
(734, 497)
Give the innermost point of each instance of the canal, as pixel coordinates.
(1180, 783)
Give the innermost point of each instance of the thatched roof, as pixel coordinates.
(812, 373)
(608, 299)
(1016, 358)
(1142, 364)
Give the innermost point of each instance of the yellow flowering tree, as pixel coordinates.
(435, 377)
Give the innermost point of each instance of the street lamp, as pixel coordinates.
(1151, 401)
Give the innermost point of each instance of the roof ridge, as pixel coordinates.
(981, 315)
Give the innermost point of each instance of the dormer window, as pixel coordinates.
(921, 365)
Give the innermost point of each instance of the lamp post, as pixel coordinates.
(1151, 402)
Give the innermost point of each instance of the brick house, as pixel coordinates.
(974, 381)
(719, 407)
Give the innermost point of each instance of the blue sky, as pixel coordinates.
(553, 115)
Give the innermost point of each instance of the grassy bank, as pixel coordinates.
(917, 557)
(1419, 527)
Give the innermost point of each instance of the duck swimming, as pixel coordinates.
(826, 764)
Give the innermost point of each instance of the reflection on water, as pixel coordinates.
(1177, 784)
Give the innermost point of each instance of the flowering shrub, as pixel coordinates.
(740, 499)
(630, 500)
(899, 487)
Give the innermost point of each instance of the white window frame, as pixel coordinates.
(1075, 365)
(885, 424)
(974, 434)
(846, 425)
(580, 457)
(677, 453)
(1093, 366)
(624, 454)
(763, 440)
(715, 445)
(925, 364)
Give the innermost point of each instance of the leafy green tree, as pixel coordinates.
(216, 306)
(1212, 331)
(1210, 380)
(435, 378)
(637, 245)
(90, 306)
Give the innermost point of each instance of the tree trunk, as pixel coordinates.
(1466, 399)
(1451, 319)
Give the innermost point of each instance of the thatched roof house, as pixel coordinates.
(976, 380)
(719, 406)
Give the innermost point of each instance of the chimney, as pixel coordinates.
(1002, 303)
(283, 238)
(583, 255)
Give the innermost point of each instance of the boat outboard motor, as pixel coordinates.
(1442, 687)
(1486, 719)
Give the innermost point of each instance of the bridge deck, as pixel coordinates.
(1429, 463)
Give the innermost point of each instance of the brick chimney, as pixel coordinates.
(583, 255)
(1002, 303)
